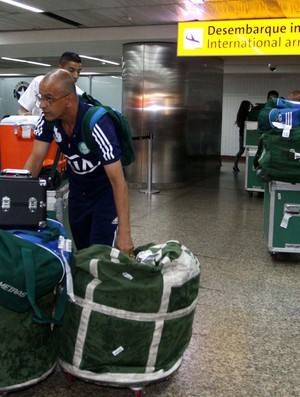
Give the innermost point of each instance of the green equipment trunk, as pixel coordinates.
(252, 134)
(282, 217)
(57, 203)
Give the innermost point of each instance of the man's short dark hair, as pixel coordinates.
(69, 57)
(272, 94)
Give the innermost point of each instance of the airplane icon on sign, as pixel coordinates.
(193, 38)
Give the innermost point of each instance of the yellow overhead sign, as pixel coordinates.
(244, 37)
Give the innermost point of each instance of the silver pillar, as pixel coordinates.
(161, 96)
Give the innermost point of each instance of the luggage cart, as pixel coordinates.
(252, 182)
(282, 217)
(136, 388)
(57, 202)
(252, 135)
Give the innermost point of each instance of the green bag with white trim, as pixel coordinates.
(278, 156)
(132, 317)
(27, 349)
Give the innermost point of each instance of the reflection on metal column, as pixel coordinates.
(157, 91)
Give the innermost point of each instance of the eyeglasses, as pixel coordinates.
(49, 101)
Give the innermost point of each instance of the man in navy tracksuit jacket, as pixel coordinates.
(98, 195)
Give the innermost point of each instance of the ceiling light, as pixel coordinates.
(99, 60)
(23, 61)
(10, 74)
(88, 73)
(21, 5)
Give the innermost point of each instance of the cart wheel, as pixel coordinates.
(137, 391)
(274, 255)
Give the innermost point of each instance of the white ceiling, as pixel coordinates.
(100, 27)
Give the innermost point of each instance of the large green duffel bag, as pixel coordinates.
(27, 349)
(279, 113)
(132, 317)
(278, 156)
(33, 264)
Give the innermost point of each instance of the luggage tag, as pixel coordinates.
(286, 131)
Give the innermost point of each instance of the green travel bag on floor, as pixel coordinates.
(27, 349)
(132, 317)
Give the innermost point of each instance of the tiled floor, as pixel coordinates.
(246, 336)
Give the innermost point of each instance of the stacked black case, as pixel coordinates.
(23, 200)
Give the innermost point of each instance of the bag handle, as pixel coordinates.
(55, 163)
(30, 281)
(91, 117)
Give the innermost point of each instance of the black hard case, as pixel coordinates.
(23, 200)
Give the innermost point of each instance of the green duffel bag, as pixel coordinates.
(279, 113)
(278, 156)
(132, 317)
(27, 349)
(33, 264)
